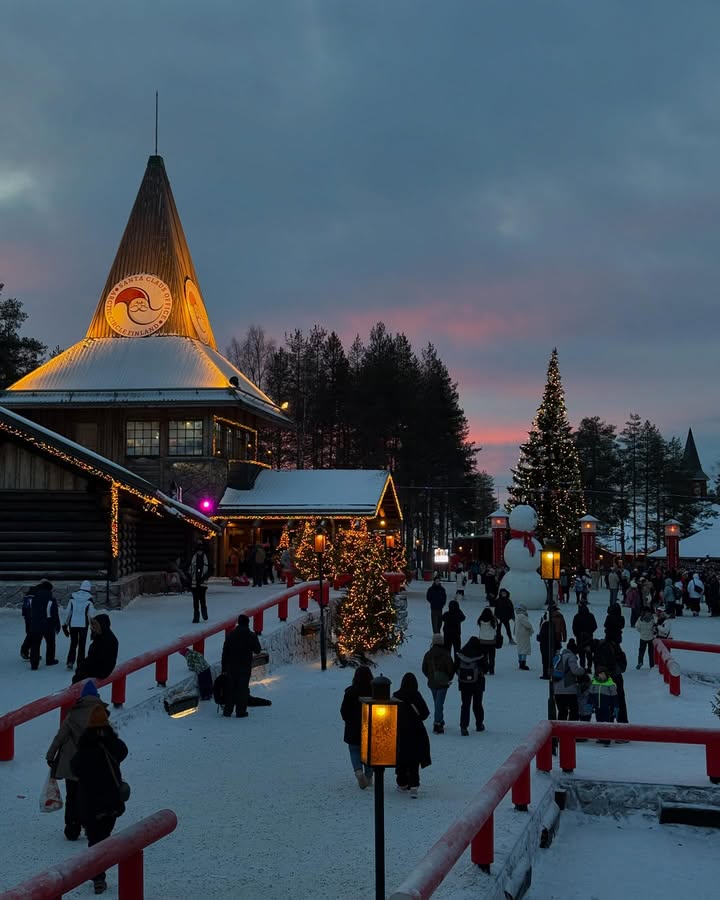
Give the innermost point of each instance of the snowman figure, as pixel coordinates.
(522, 556)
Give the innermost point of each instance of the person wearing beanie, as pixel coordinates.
(237, 656)
(103, 652)
(565, 671)
(79, 611)
(96, 765)
(438, 667)
(64, 747)
(452, 626)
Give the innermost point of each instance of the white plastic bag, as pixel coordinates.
(50, 798)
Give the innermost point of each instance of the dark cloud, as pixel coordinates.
(495, 177)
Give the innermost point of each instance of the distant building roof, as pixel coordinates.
(312, 492)
(697, 546)
(691, 460)
(66, 451)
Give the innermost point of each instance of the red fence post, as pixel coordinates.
(289, 579)
(199, 646)
(482, 847)
(543, 760)
(7, 744)
(567, 753)
(303, 596)
(521, 791)
(118, 692)
(712, 759)
(161, 671)
(130, 878)
(258, 622)
(283, 609)
(675, 684)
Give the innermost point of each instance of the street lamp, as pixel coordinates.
(378, 749)
(550, 571)
(320, 541)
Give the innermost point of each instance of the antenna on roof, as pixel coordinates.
(156, 121)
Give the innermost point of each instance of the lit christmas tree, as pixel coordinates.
(547, 476)
(306, 559)
(349, 545)
(366, 619)
(284, 541)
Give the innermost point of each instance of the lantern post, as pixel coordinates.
(320, 540)
(550, 571)
(588, 536)
(499, 526)
(378, 749)
(672, 544)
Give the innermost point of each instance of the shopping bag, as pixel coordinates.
(50, 798)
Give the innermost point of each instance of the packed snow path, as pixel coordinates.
(268, 807)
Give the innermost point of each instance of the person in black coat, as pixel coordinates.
(237, 657)
(504, 613)
(610, 656)
(351, 712)
(471, 665)
(44, 624)
(103, 651)
(413, 747)
(437, 598)
(614, 624)
(452, 626)
(27, 618)
(96, 765)
(584, 626)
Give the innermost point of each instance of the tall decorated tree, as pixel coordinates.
(547, 476)
(366, 618)
(349, 545)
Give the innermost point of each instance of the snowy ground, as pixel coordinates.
(268, 806)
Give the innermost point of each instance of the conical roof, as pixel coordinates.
(691, 460)
(152, 287)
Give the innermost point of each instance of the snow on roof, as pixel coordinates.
(25, 429)
(699, 545)
(110, 370)
(303, 491)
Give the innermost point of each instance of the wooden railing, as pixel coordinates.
(475, 827)
(124, 850)
(64, 700)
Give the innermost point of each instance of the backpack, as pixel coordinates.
(438, 677)
(677, 592)
(219, 686)
(469, 673)
(580, 585)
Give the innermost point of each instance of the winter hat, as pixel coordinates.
(98, 718)
(520, 608)
(437, 639)
(89, 690)
(183, 652)
(572, 646)
(633, 584)
(86, 586)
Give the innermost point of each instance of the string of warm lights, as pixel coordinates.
(115, 519)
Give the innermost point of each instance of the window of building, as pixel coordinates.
(185, 438)
(232, 442)
(142, 438)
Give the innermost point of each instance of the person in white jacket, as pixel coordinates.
(646, 626)
(79, 611)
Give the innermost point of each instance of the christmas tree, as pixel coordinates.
(306, 559)
(349, 544)
(366, 619)
(547, 476)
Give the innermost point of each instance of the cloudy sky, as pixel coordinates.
(495, 177)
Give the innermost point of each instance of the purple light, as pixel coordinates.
(206, 505)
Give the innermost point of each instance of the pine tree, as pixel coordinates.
(547, 476)
(366, 619)
(349, 546)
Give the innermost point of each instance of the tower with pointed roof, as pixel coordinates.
(697, 480)
(146, 387)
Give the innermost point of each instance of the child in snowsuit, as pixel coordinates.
(452, 626)
(647, 629)
(197, 663)
(603, 697)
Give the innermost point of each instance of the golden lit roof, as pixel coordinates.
(152, 287)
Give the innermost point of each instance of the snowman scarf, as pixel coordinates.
(527, 539)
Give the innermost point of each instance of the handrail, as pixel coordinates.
(672, 644)
(667, 666)
(475, 827)
(124, 849)
(64, 699)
